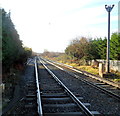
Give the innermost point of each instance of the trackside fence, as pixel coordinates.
(114, 64)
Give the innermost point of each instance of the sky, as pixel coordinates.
(52, 24)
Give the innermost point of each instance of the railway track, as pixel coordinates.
(105, 87)
(32, 100)
(57, 99)
(47, 93)
(103, 92)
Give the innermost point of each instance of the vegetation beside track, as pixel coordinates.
(13, 59)
(63, 58)
(14, 54)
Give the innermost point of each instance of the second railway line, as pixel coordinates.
(103, 86)
(57, 98)
(99, 100)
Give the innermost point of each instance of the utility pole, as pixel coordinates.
(109, 9)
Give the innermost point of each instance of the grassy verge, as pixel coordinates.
(89, 69)
(115, 75)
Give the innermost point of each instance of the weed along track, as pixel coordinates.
(57, 99)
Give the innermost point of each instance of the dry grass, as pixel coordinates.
(116, 80)
(89, 69)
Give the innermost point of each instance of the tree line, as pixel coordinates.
(88, 49)
(13, 51)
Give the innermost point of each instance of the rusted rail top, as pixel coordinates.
(88, 74)
(40, 113)
(79, 103)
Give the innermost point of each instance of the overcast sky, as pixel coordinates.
(51, 24)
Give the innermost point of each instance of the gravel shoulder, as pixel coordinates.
(17, 103)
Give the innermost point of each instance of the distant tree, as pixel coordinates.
(98, 48)
(87, 49)
(115, 46)
(93, 50)
(78, 48)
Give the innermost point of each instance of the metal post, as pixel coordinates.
(108, 8)
(108, 46)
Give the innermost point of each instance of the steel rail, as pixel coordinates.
(77, 101)
(117, 97)
(40, 113)
(87, 74)
(89, 83)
